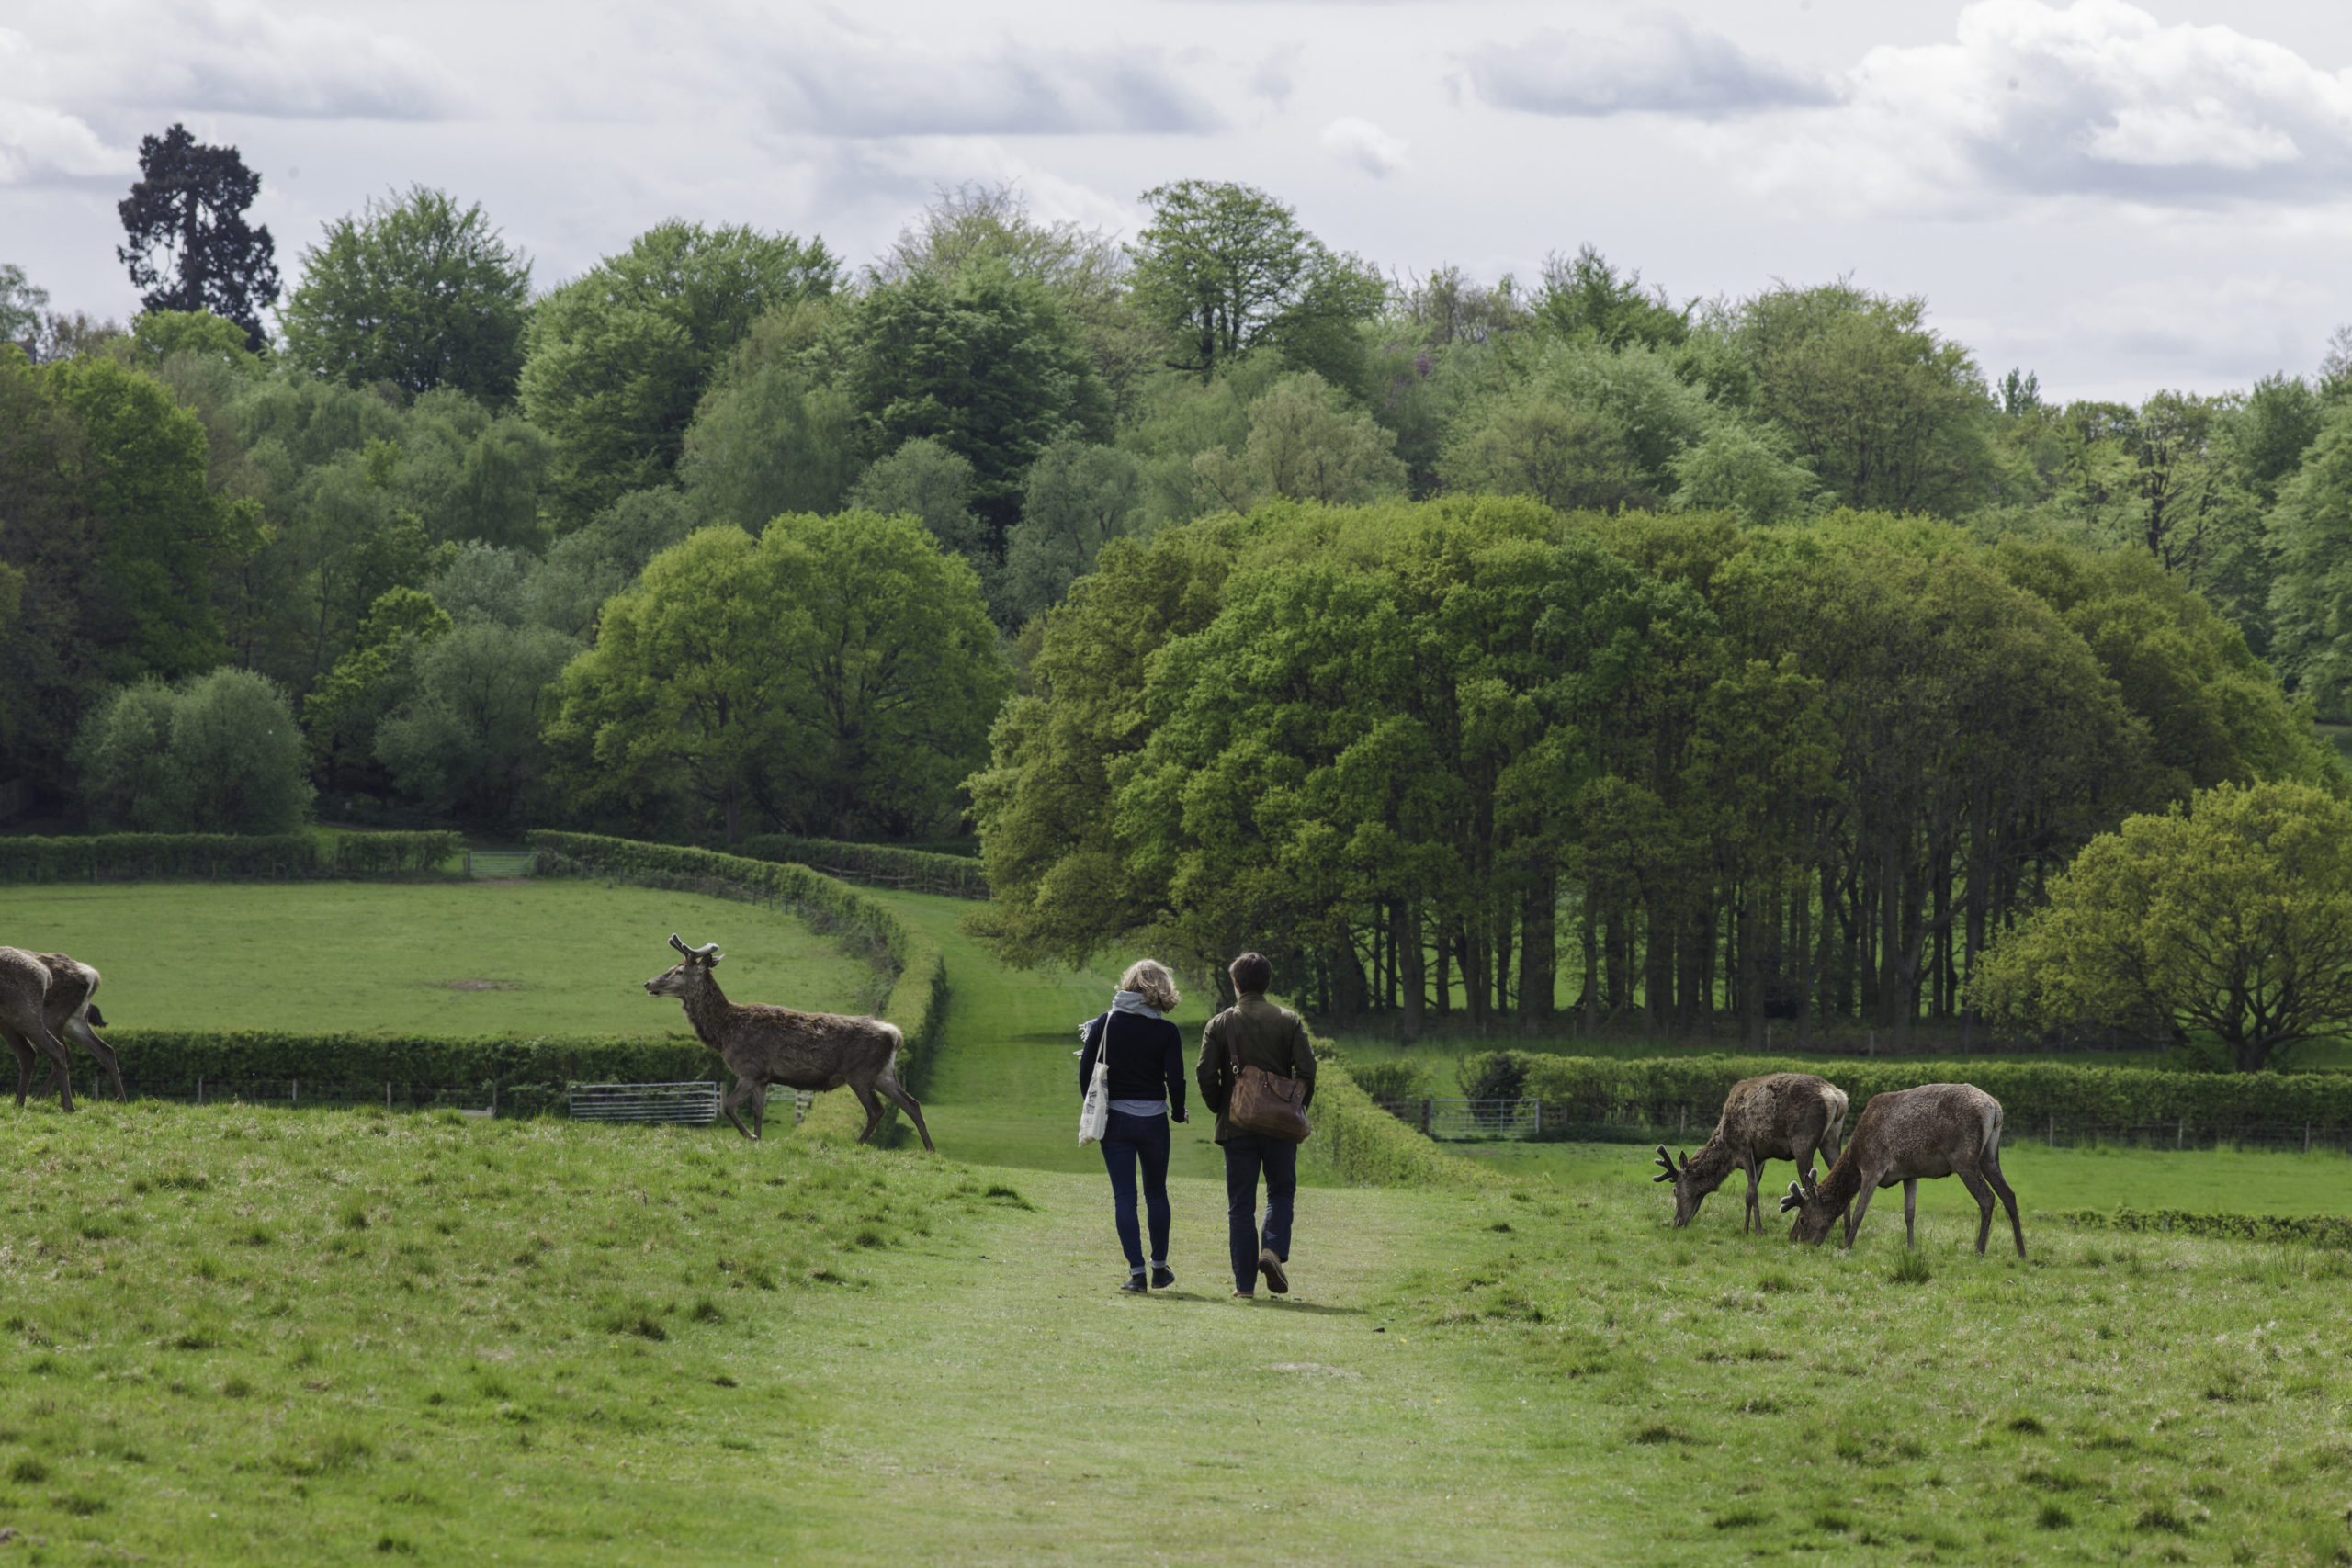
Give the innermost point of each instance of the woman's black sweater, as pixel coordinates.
(1147, 1059)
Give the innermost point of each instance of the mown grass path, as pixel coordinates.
(1005, 1404)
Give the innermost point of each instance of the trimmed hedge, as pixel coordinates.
(108, 857)
(1358, 1142)
(529, 1071)
(1651, 1091)
(874, 865)
(2316, 1230)
(918, 969)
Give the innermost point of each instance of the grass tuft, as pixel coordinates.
(1911, 1268)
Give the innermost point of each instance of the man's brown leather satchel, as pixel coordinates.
(1265, 1104)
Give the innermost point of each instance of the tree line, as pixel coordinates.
(1442, 753)
(505, 552)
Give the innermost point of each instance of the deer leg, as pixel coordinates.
(1753, 1211)
(25, 1058)
(888, 1083)
(759, 1112)
(62, 1077)
(1854, 1215)
(1983, 1196)
(727, 1108)
(2008, 1199)
(81, 1030)
(1910, 1213)
(873, 1103)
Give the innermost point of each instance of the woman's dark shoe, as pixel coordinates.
(1134, 1285)
(1162, 1277)
(1271, 1268)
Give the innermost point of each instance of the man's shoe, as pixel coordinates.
(1134, 1285)
(1271, 1268)
(1162, 1277)
(1244, 1296)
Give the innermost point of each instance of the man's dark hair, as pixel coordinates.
(1252, 973)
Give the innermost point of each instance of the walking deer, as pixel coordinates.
(1786, 1116)
(766, 1046)
(1910, 1135)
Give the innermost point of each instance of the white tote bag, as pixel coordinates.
(1094, 1116)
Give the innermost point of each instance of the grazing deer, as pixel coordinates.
(70, 1012)
(1912, 1134)
(24, 985)
(1779, 1116)
(767, 1045)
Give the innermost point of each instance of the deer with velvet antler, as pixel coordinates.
(766, 1046)
(1910, 1135)
(1790, 1116)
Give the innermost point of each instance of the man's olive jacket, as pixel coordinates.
(1263, 1035)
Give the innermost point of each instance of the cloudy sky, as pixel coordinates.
(2121, 196)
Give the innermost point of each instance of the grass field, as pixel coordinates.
(238, 1335)
(541, 957)
(2045, 1180)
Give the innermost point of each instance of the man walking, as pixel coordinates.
(1255, 1032)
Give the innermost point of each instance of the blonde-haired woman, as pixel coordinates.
(1146, 1055)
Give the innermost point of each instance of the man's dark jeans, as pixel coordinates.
(1128, 1140)
(1245, 1153)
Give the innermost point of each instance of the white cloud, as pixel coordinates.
(843, 82)
(237, 57)
(1661, 66)
(1278, 73)
(38, 144)
(1364, 145)
(2097, 99)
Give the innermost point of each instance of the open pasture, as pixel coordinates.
(556, 956)
(2201, 1180)
(233, 1335)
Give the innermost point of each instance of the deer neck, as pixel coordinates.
(708, 1009)
(1710, 1165)
(1844, 1182)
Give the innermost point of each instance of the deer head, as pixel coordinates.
(1686, 1201)
(691, 974)
(1813, 1212)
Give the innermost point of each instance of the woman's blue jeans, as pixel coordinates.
(1127, 1142)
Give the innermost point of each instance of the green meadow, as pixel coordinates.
(553, 956)
(231, 1334)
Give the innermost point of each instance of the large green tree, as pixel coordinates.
(615, 360)
(2230, 919)
(416, 291)
(982, 361)
(1885, 411)
(835, 675)
(1225, 268)
(2311, 602)
(190, 203)
(157, 528)
(218, 754)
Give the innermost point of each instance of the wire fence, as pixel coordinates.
(478, 1099)
(1562, 1121)
(501, 863)
(1470, 1118)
